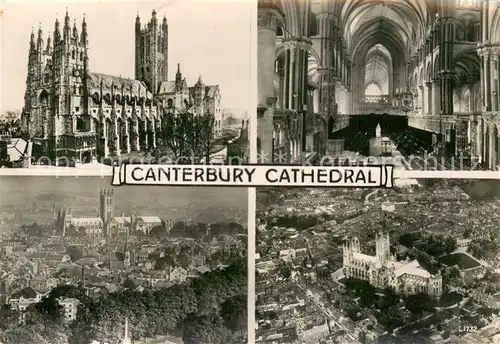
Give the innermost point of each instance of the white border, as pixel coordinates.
(252, 132)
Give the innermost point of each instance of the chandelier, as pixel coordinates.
(404, 100)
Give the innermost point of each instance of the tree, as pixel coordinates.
(74, 253)
(158, 232)
(419, 303)
(392, 317)
(207, 329)
(129, 283)
(285, 271)
(12, 122)
(71, 231)
(234, 313)
(184, 138)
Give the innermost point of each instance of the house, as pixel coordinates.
(177, 274)
(287, 255)
(70, 307)
(21, 300)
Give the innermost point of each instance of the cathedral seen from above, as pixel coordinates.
(72, 112)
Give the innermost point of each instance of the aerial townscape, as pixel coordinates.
(73, 116)
(419, 263)
(116, 276)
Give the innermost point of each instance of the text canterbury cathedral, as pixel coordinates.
(72, 112)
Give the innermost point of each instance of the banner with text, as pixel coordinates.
(254, 175)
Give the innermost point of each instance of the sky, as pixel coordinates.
(206, 37)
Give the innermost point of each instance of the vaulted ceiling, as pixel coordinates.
(378, 63)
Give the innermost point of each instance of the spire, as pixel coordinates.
(66, 29)
(40, 33)
(32, 39)
(84, 30)
(57, 33)
(154, 21)
(75, 30)
(137, 23)
(200, 81)
(49, 43)
(39, 40)
(164, 25)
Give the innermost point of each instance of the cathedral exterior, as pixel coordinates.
(74, 113)
(382, 270)
(106, 223)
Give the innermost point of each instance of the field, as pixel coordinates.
(24, 200)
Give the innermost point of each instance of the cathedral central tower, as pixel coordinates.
(151, 52)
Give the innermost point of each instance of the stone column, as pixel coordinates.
(134, 135)
(494, 80)
(436, 97)
(486, 78)
(491, 146)
(127, 136)
(153, 133)
(266, 56)
(106, 138)
(478, 142)
(447, 93)
(116, 137)
(267, 25)
(327, 70)
(421, 101)
(428, 98)
(145, 143)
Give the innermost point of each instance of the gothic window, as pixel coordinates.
(159, 44)
(80, 90)
(81, 56)
(313, 25)
(80, 124)
(46, 78)
(73, 54)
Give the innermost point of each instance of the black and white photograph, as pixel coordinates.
(417, 264)
(82, 262)
(412, 82)
(91, 83)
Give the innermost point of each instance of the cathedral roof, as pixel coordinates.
(167, 87)
(122, 219)
(210, 91)
(412, 268)
(149, 219)
(129, 85)
(79, 220)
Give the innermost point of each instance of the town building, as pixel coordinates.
(77, 114)
(70, 308)
(384, 271)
